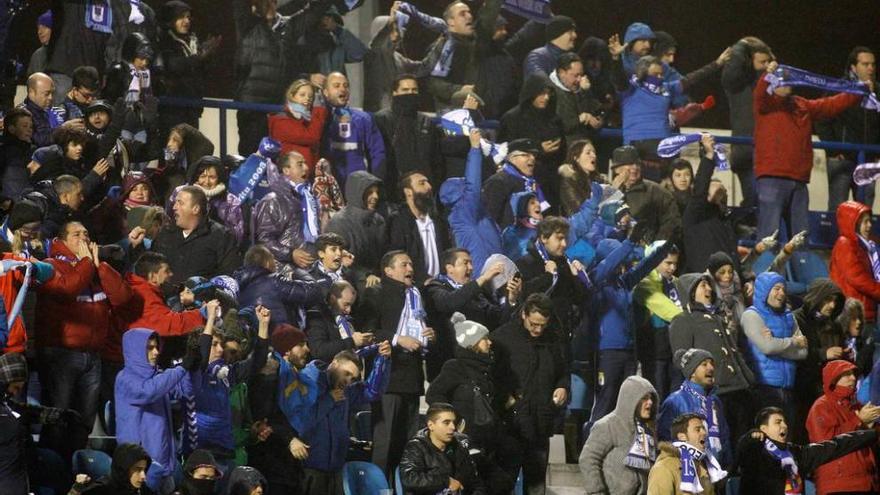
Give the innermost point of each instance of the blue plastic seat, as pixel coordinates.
(364, 424)
(363, 478)
(807, 266)
(91, 462)
(809, 488)
(518, 487)
(398, 483)
(109, 419)
(732, 487)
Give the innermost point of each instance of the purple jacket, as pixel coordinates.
(278, 218)
(352, 146)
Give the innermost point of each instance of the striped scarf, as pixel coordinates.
(873, 255)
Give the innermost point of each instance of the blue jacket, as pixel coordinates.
(325, 424)
(44, 122)
(646, 114)
(143, 400)
(542, 59)
(775, 371)
(612, 300)
(258, 286)
(471, 225)
(682, 401)
(635, 31)
(352, 146)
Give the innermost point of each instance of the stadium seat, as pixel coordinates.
(518, 487)
(363, 478)
(398, 483)
(732, 486)
(364, 426)
(109, 419)
(91, 462)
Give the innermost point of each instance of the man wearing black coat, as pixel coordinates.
(16, 152)
(330, 329)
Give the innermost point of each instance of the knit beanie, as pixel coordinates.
(24, 212)
(717, 260)
(558, 25)
(45, 19)
(285, 337)
(467, 333)
(688, 360)
(13, 368)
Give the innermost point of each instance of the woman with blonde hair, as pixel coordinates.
(300, 126)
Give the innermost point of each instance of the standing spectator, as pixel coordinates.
(16, 151)
(40, 58)
(579, 111)
(334, 260)
(858, 347)
(532, 380)
(852, 266)
(60, 203)
(516, 175)
(196, 245)
(783, 154)
(622, 446)
(652, 206)
(330, 328)
(854, 125)
(748, 61)
(129, 17)
(143, 397)
(384, 62)
(300, 126)
(72, 323)
(351, 140)
(774, 343)
(817, 320)
(576, 176)
(560, 35)
(335, 45)
(184, 61)
(39, 104)
(681, 182)
(836, 412)
(399, 317)
(436, 460)
(79, 37)
(687, 465)
(85, 86)
(638, 42)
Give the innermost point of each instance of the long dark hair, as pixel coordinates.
(574, 151)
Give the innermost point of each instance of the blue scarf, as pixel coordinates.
(310, 210)
(536, 10)
(709, 409)
(793, 480)
(529, 184)
(299, 111)
(542, 252)
(643, 452)
(690, 456)
(99, 16)
(874, 255)
(670, 291)
(672, 146)
(412, 318)
(446, 278)
(245, 178)
(651, 84)
(787, 75)
(444, 62)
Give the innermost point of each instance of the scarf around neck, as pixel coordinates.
(310, 211)
(874, 255)
(690, 456)
(412, 318)
(651, 84)
(530, 184)
(643, 452)
(709, 409)
(793, 481)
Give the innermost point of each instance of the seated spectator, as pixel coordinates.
(16, 152)
(60, 203)
(622, 448)
(66, 158)
(300, 126)
(576, 176)
(697, 395)
(108, 220)
(770, 464)
(330, 328)
(39, 103)
(245, 480)
(185, 146)
(581, 114)
(437, 459)
(730, 292)
(836, 412)
(84, 89)
(143, 397)
(20, 234)
(681, 182)
(128, 472)
(851, 266)
(560, 34)
(201, 474)
(687, 465)
(103, 124)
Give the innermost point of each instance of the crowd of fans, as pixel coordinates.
(230, 320)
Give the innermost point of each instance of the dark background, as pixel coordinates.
(813, 35)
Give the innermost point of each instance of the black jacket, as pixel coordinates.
(567, 295)
(762, 473)
(210, 250)
(411, 143)
(529, 369)
(706, 228)
(403, 233)
(325, 341)
(496, 194)
(73, 44)
(821, 333)
(281, 295)
(16, 154)
(425, 470)
(125, 456)
(854, 125)
(55, 214)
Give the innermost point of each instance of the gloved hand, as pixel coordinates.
(71, 417)
(191, 361)
(637, 232)
(768, 243)
(796, 242)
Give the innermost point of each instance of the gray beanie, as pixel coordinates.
(688, 360)
(467, 333)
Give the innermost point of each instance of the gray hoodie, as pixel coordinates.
(602, 459)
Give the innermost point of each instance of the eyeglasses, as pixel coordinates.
(87, 95)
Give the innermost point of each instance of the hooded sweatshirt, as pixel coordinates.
(516, 237)
(362, 229)
(850, 264)
(832, 414)
(602, 458)
(143, 400)
(243, 479)
(118, 483)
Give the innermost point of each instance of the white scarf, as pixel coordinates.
(412, 318)
(690, 456)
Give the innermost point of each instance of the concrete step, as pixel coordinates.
(564, 476)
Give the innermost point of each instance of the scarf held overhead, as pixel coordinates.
(787, 75)
(673, 145)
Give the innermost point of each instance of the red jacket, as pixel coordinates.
(74, 306)
(784, 128)
(832, 416)
(850, 265)
(147, 309)
(299, 135)
(10, 284)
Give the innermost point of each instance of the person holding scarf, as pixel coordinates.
(771, 465)
(838, 411)
(287, 220)
(855, 259)
(622, 448)
(697, 395)
(331, 328)
(688, 464)
(300, 126)
(516, 175)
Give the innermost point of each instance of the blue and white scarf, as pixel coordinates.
(793, 479)
(671, 291)
(709, 409)
(643, 451)
(460, 122)
(444, 62)
(690, 456)
(673, 145)
(536, 10)
(866, 173)
(412, 318)
(99, 16)
(529, 184)
(446, 278)
(873, 254)
(310, 211)
(245, 178)
(343, 323)
(651, 84)
(582, 275)
(787, 75)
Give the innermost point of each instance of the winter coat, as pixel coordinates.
(665, 477)
(143, 397)
(704, 328)
(529, 369)
(542, 59)
(107, 220)
(243, 480)
(821, 332)
(830, 416)
(13, 338)
(353, 143)
(412, 143)
(76, 303)
(497, 193)
(738, 78)
(73, 44)
(424, 469)
(282, 296)
(183, 69)
(567, 295)
(326, 429)
(706, 227)
(15, 155)
(654, 206)
(575, 187)
(602, 458)
(118, 482)
(45, 120)
(854, 125)
(208, 251)
(123, 27)
(651, 295)
(382, 64)
(363, 230)
(570, 105)
(300, 135)
(278, 219)
(762, 473)
(324, 335)
(682, 401)
(850, 265)
(403, 233)
(147, 309)
(784, 128)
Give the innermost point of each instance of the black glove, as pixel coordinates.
(637, 233)
(192, 361)
(71, 417)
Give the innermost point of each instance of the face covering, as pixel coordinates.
(405, 104)
(841, 393)
(198, 487)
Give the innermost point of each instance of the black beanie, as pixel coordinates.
(24, 212)
(558, 25)
(717, 260)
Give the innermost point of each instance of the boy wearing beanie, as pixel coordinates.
(561, 34)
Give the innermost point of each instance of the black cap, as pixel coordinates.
(625, 155)
(523, 145)
(558, 25)
(99, 106)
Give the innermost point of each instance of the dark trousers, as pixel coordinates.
(743, 166)
(316, 482)
(663, 375)
(395, 421)
(614, 366)
(739, 411)
(252, 127)
(534, 466)
(70, 380)
(778, 397)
